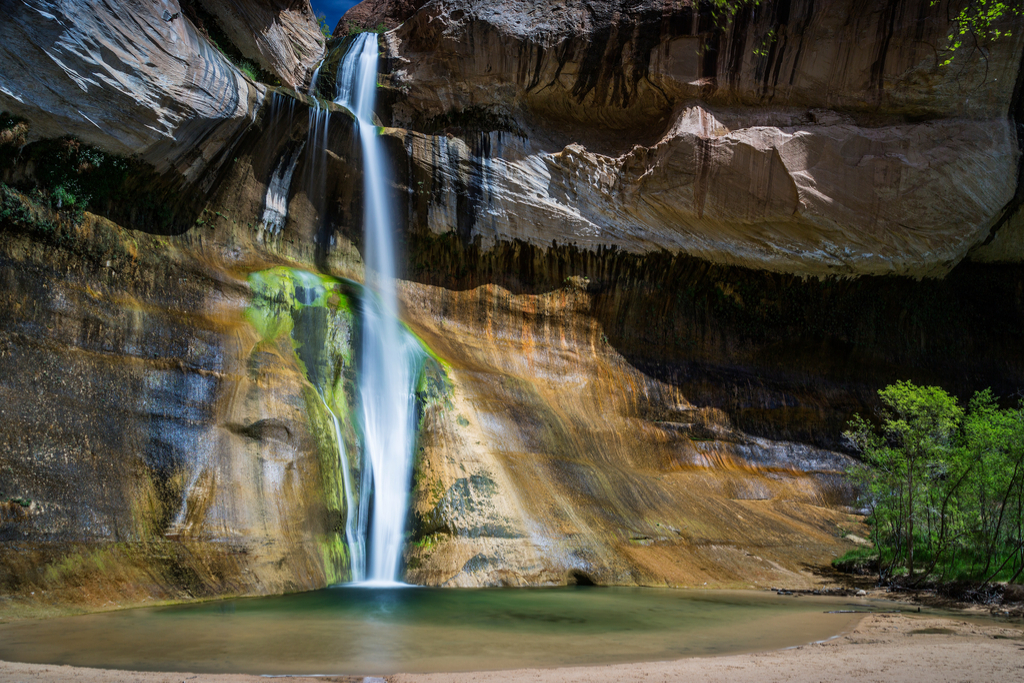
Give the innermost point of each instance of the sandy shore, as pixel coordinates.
(888, 648)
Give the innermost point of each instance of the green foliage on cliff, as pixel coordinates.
(944, 485)
(13, 207)
(353, 29)
(77, 176)
(315, 312)
(65, 174)
(325, 28)
(13, 136)
(252, 71)
(70, 177)
(97, 241)
(975, 23)
(312, 313)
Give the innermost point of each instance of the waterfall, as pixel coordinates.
(316, 157)
(390, 354)
(314, 80)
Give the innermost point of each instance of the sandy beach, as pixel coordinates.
(888, 648)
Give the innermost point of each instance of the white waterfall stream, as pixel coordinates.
(316, 156)
(390, 354)
(275, 211)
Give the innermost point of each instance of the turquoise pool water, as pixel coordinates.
(366, 631)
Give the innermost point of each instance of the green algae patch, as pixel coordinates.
(434, 356)
(314, 313)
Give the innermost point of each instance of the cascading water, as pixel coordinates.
(275, 210)
(275, 203)
(316, 156)
(390, 354)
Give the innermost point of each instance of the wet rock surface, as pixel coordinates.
(553, 461)
(151, 447)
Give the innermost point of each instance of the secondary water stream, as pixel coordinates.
(360, 631)
(355, 541)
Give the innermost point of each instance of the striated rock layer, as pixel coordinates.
(810, 202)
(281, 35)
(794, 136)
(138, 79)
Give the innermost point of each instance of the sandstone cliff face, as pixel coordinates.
(809, 200)
(159, 446)
(281, 35)
(770, 142)
(371, 14)
(556, 460)
(126, 79)
(622, 65)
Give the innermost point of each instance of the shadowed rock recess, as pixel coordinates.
(658, 255)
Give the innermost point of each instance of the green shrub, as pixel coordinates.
(249, 69)
(944, 486)
(13, 136)
(18, 211)
(75, 176)
(64, 197)
(857, 561)
(353, 29)
(325, 28)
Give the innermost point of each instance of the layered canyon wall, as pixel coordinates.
(798, 137)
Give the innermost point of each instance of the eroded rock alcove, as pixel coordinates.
(660, 257)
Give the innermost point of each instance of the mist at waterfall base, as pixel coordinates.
(354, 631)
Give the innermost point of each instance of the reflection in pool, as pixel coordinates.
(363, 631)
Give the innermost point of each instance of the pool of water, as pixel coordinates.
(364, 631)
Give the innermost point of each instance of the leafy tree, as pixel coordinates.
(325, 28)
(996, 438)
(977, 22)
(943, 485)
(914, 444)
